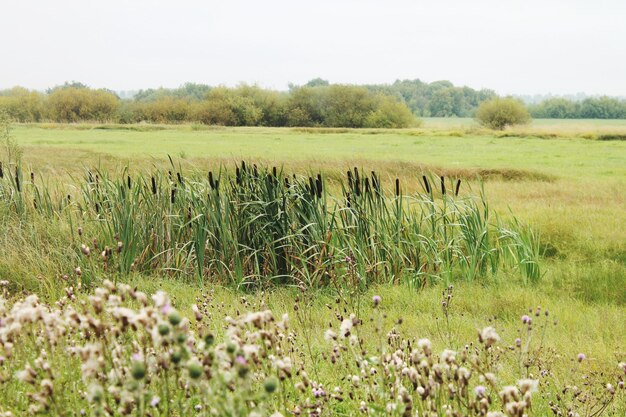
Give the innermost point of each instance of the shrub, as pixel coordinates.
(499, 113)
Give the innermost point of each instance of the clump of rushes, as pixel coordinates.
(128, 358)
(259, 231)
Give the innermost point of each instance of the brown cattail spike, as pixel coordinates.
(458, 185)
(443, 186)
(397, 187)
(426, 184)
(1, 171)
(318, 184)
(154, 187)
(128, 182)
(173, 195)
(211, 182)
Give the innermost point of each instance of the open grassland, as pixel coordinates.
(556, 176)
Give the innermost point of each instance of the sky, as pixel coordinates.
(511, 46)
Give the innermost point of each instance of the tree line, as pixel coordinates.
(589, 108)
(315, 104)
(245, 105)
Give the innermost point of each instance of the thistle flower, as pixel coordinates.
(480, 391)
(488, 336)
(581, 357)
(376, 300)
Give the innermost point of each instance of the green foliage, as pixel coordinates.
(73, 104)
(590, 108)
(499, 113)
(437, 99)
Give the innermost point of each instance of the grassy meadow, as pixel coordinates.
(563, 179)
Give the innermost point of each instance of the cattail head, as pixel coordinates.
(443, 185)
(180, 178)
(426, 184)
(211, 182)
(173, 195)
(128, 182)
(154, 187)
(32, 177)
(458, 185)
(397, 187)
(1, 171)
(318, 185)
(17, 180)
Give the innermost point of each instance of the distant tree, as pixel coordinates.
(556, 108)
(82, 104)
(390, 113)
(499, 113)
(317, 82)
(602, 108)
(23, 105)
(441, 103)
(67, 84)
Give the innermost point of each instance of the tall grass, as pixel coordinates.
(257, 226)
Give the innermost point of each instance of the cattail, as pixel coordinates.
(286, 182)
(243, 166)
(367, 186)
(318, 183)
(426, 184)
(69, 198)
(17, 180)
(35, 203)
(90, 175)
(443, 185)
(274, 170)
(1, 171)
(211, 183)
(128, 182)
(217, 185)
(348, 201)
(356, 175)
(180, 178)
(173, 195)
(357, 187)
(458, 185)
(169, 173)
(97, 208)
(32, 177)
(311, 187)
(154, 188)
(256, 171)
(397, 187)
(350, 182)
(375, 183)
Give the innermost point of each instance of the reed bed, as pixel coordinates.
(257, 226)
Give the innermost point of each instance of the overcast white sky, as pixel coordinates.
(512, 46)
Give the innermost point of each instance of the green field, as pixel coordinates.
(557, 176)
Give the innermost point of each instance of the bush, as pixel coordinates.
(499, 113)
